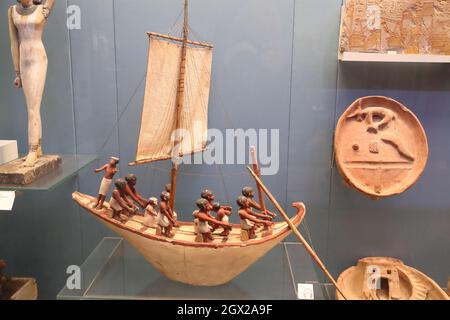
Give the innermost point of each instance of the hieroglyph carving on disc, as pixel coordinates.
(381, 147)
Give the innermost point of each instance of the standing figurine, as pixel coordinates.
(168, 189)
(166, 219)
(131, 192)
(249, 219)
(26, 25)
(249, 193)
(222, 214)
(151, 213)
(119, 202)
(110, 170)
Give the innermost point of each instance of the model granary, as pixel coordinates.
(381, 278)
(404, 27)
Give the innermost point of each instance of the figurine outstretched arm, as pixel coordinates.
(48, 7)
(116, 195)
(256, 206)
(131, 204)
(259, 215)
(15, 51)
(251, 217)
(133, 195)
(169, 215)
(205, 217)
(136, 196)
(101, 168)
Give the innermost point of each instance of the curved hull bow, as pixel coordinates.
(184, 260)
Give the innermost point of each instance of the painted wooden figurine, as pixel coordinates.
(209, 196)
(168, 189)
(249, 193)
(250, 219)
(132, 193)
(27, 20)
(205, 221)
(166, 219)
(110, 170)
(151, 214)
(223, 215)
(119, 203)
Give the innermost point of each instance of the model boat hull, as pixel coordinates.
(184, 260)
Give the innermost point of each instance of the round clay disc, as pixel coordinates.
(381, 148)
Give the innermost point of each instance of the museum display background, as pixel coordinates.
(275, 66)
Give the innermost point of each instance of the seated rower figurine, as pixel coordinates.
(250, 194)
(222, 214)
(249, 219)
(166, 220)
(151, 213)
(119, 202)
(204, 220)
(130, 190)
(209, 195)
(110, 170)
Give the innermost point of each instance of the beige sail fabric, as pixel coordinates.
(159, 113)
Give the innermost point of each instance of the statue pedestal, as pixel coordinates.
(20, 289)
(8, 151)
(14, 173)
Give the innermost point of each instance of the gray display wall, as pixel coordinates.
(274, 67)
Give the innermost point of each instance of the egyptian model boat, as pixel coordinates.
(380, 278)
(176, 99)
(183, 259)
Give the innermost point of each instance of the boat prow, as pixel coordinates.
(183, 259)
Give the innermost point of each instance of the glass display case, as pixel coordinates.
(115, 270)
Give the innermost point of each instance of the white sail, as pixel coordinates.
(159, 114)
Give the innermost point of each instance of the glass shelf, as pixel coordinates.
(70, 166)
(387, 57)
(115, 270)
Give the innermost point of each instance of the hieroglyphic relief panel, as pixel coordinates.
(403, 26)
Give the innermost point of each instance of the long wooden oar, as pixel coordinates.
(296, 232)
(256, 171)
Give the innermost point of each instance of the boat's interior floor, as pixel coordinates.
(183, 233)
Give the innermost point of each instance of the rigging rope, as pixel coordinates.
(220, 104)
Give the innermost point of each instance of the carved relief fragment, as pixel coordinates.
(381, 148)
(403, 26)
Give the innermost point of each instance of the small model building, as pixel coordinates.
(381, 278)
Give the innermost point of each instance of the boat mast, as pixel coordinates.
(179, 102)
